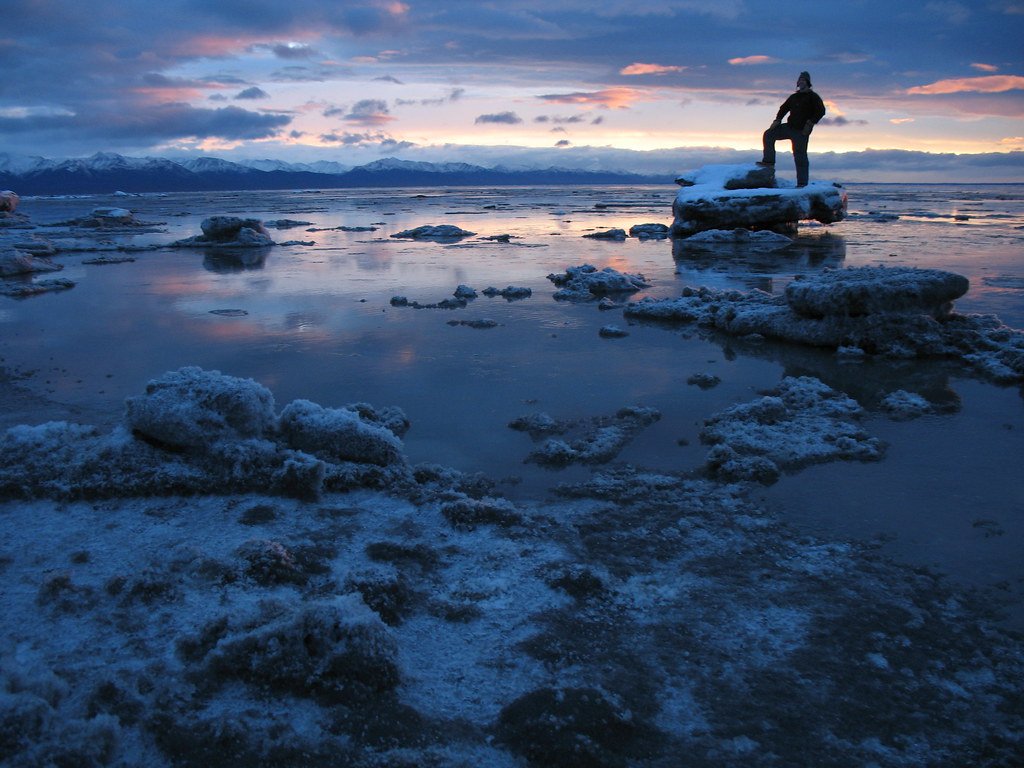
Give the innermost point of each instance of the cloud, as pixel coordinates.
(286, 50)
(952, 12)
(563, 143)
(294, 51)
(609, 98)
(158, 123)
(985, 67)
(369, 112)
(453, 95)
(252, 93)
(559, 120)
(839, 121)
(985, 84)
(743, 61)
(901, 120)
(508, 118)
(378, 140)
(649, 69)
(389, 79)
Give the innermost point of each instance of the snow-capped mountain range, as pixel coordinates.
(106, 172)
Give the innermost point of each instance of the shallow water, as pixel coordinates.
(314, 321)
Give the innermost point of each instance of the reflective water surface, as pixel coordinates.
(314, 320)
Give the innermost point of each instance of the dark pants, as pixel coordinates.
(786, 132)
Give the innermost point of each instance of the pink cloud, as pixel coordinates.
(746, 60)
(649, 69)
(987, 84)
(609, 98)
(985, 67)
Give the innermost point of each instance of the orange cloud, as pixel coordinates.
(745, 60)
(901, 120)
(987, 84)
(649, 69)
(609, 98)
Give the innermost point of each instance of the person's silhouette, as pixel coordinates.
(805, 109)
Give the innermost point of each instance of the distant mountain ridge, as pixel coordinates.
(106, 173)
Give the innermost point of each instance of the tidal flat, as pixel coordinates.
(478, 606)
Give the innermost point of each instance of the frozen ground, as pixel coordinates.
(624, 610)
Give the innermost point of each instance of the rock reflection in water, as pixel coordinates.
(222, 260)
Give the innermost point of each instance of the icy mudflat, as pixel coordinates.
(382, 538)
(639, 616)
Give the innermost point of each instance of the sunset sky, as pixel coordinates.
(632, 85)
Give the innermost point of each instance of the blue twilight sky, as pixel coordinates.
(632, 85)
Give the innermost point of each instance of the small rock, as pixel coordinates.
(612, 332)
(608, 234)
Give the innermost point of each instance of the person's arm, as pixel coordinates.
(819, 112)
(786, 105)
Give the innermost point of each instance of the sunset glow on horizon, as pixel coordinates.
(584, 83)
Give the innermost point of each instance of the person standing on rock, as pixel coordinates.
(805, 109)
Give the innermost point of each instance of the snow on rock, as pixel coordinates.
(591, 441)
(729, 177)
(905, 328)
(704, 380)
(228, 232)
(902, 405)
(286, 223)
(202, 431)
(509, 293)
(107, 218)
(13, 262)
(37, 246)
(871, 290)
(338, 434)
(191, 407)
(334, 650)
(649, 231)
(760, 240)
(612, 332)
(9, 201)
(572, 726)
(800, 422)
(728, 197)
(20, 290)
(587, 282)
(608, 234)
(437, 232)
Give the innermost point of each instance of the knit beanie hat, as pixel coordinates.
(806, 76)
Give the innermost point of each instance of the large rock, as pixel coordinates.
(228, 232)
(335, 650)
(192, 408)
(338, 434)
(9, 200)
(438, 232)
(720, 197)
(871, 290)
(587, 282)
(15, 263)
(899, 313)
(227, 228)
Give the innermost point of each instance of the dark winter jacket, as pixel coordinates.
(802, 106)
